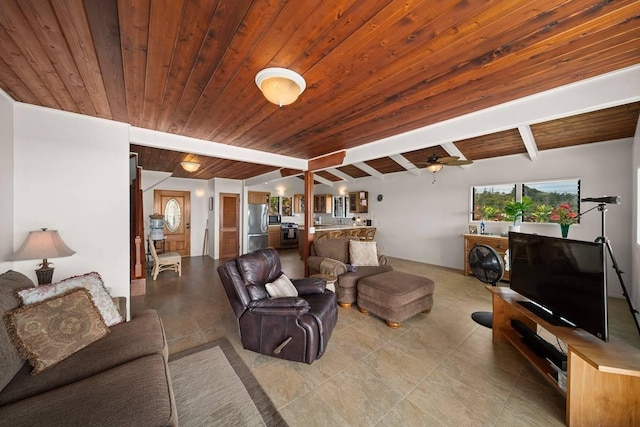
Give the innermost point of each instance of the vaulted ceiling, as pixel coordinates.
(373, 69)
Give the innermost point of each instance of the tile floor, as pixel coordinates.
(439, 369)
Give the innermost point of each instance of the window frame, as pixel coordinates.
(519, 194)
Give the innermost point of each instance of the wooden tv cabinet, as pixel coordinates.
(603, 378)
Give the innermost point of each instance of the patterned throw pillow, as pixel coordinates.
(47, 332)
(281, 287)
(363, 253)
(90, 281)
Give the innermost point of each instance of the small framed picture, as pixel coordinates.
(473, 229)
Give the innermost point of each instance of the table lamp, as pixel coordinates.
(43, 244)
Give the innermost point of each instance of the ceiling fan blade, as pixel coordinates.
(448, 159)
(459, 163)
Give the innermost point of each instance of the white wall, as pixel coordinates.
(6, 181)
(199, 204)
(634, 290)
(72, 175)
(421, 221)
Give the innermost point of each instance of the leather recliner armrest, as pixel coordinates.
(309, 285)
(287, 306)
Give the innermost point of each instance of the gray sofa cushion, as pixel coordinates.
(142, 336)
(335, 248)
(10, 282)
(137, 393)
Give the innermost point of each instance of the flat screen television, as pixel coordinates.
(566, 277)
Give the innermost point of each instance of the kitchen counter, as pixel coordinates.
(333, 227)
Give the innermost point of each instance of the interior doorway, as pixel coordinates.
(229, 232)
(175, 206)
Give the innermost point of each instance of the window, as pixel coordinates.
(488, 201)
(546, 196)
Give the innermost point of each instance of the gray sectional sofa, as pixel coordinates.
(120, 380)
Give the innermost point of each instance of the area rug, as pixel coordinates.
(213, 387)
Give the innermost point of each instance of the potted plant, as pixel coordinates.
(564, 216)
(516, 210)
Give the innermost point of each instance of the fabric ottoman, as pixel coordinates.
(395, 296)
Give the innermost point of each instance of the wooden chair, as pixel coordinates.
(369, 234)
(165, 261)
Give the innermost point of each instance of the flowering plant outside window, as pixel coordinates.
(564, 215)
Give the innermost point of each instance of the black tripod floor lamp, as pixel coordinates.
(602, 203)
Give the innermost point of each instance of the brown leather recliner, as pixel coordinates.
(292, 328)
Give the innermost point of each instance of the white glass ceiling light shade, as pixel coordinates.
(190, 166)
(435, 167)
(280, 86)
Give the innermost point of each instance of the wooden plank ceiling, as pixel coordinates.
(373, 69)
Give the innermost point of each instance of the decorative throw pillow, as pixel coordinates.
(90, 281)
(281, 287)
(363, 253)
(47, 332)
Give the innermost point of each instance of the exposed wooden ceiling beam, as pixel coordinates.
(410, 167)
(334, 159)
(368, 169)
(529, 141)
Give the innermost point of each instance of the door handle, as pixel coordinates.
(188, 226)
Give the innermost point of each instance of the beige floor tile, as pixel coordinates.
(396, 368)
(502, 354)
(406, 413)
(281, 383)
(454, 403)
(537, 402)
(309, 410)
(358, 396)
(483, 376)
(415, 345)
(329, 365)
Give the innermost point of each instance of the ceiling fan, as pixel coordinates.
(435, 163)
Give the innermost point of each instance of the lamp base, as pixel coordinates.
(45, 275)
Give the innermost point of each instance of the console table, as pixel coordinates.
(499, 243)
(603, 378)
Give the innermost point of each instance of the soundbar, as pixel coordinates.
(612, 200)
(539, 345)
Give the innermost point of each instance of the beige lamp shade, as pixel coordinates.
(435, 167)
(280, 85)
(190, 166)
(42, 244)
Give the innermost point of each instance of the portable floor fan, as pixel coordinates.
(487, 265)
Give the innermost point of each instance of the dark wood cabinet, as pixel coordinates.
(359, 202)
(322, 203)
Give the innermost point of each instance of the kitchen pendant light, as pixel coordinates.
(280, 85)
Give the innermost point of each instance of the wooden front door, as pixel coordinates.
(229, 225)
(175, 206)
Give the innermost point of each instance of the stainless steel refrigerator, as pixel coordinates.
(258, 230)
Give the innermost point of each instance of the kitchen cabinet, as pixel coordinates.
(322, 203)
(274, 236)
(298, 203)
(258, 197)
(499, 243)
(286, 206)
(359, 202)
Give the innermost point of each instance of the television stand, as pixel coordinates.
(543, 314)
(603, 378)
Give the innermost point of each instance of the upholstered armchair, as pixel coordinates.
(331, 257)
(295, 328)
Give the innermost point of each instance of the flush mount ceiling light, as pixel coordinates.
(280, 86)
(190, 166)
